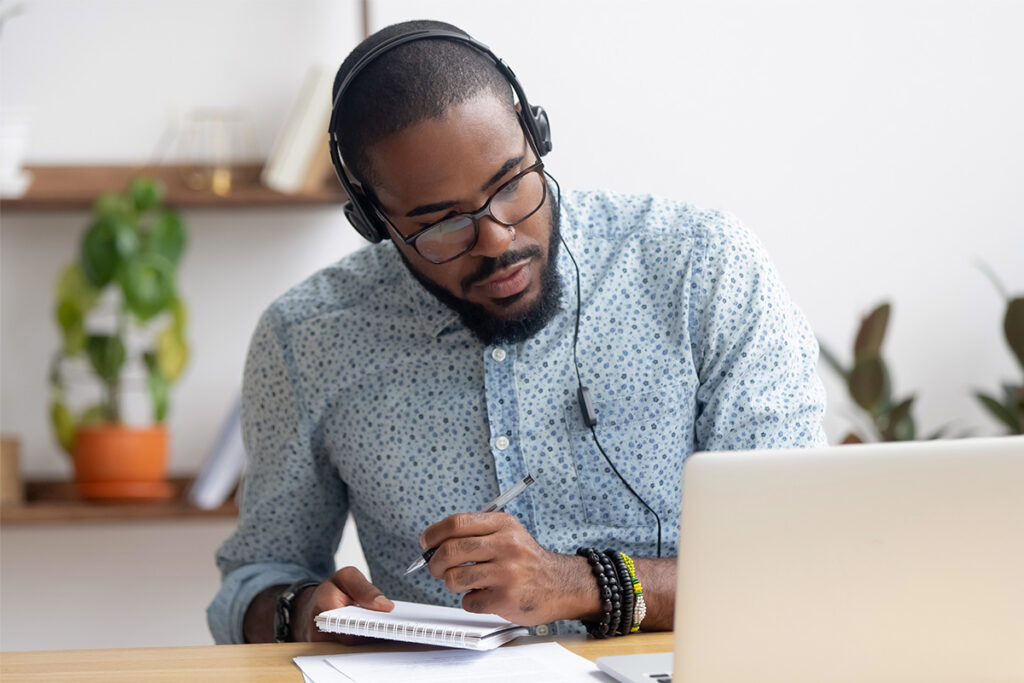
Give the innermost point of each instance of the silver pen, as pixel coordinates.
(495, 505)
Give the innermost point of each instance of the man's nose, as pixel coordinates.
(493, 239)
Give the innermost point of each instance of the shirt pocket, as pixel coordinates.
(647, 436)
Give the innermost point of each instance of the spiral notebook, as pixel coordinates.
(417, 623)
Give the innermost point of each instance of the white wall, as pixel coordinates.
(874, 146)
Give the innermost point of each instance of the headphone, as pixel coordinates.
(360, 210)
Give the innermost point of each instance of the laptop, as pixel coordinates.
(878, 562)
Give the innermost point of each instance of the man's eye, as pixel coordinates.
(451, 214)
(510, 189)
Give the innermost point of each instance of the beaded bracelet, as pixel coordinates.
(609, 590)
(639, 605)
(626, 622)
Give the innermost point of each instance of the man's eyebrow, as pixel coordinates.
(508, 166)
(440, 206)
(430, 208)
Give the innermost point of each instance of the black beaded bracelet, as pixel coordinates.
(628, 599)
(609, 589)
(616, 620)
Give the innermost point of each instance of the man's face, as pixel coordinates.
(440, 167)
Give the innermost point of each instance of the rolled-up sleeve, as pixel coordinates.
(294, 503)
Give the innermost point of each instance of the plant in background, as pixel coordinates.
(1009, 410)
(118, 302)
(870, 387)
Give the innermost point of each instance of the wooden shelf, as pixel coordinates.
(77, 187)
(58, 501)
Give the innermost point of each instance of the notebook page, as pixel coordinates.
(549, 662)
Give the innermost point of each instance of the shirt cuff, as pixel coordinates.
(226, 613)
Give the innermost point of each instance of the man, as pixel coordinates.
(414, 380)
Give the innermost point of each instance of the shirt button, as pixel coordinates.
(498, 354)
(501, 443)
(542, 629)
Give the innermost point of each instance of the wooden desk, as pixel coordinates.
(253, 663)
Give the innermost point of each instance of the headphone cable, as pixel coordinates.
(591, 418)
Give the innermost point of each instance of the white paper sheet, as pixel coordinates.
(509, 664)
(315, 669)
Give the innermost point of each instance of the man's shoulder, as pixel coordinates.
(617, 216)
(346, 287)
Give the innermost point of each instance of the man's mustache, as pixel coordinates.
(489, 265)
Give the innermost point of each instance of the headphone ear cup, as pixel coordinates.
(364, 225)
(541, 129)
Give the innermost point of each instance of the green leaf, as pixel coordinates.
(867, 382)
(159, 392)
(63, 425)
(72, 323)
(831, 360)
(146, 193)
(148, 285)
(113, 205)
(94, 415)
(106, 244)
(1001, 412)
(872, 333)
(171, 354)
(74, 287)
(167, 237)
(900, 425)
(904, 429)
(99, 252)
(75, 297)
(1013, 327)
(179, 319)
(107, 355)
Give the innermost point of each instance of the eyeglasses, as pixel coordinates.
(512, 203)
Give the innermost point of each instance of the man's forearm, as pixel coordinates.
(258, 625)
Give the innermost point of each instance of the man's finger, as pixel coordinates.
(463, 524)
(471, 577)
(458, 551)
(363, 593)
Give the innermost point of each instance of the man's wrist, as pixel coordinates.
(582, 599)
(286, 607)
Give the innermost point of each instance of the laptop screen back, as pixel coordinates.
(881, 562)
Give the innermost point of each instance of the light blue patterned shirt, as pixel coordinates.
(363, 394)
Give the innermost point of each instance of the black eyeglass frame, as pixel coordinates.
(475, 216)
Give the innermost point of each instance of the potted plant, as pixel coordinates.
(121, 319)
(869, 384)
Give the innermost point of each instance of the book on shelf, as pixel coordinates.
(297, 155)
(222, 469)
(413, 622)
(320, 169)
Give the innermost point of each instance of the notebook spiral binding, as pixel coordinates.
(396, 631)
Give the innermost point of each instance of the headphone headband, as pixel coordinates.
(359, 209)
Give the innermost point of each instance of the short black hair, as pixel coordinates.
(413, 82)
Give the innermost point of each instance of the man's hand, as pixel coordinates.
(348, 586)
(502, 570)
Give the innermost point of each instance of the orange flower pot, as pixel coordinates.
(115, 461)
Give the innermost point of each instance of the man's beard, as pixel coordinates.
(493, 329)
